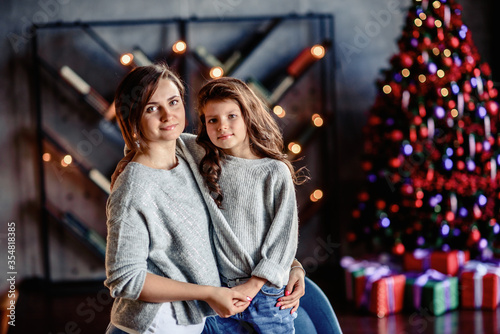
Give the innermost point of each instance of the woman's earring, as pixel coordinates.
(134, 135)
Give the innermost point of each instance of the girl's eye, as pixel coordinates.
(151, 108)
(174, 102)
(232, 116)
(211, 121)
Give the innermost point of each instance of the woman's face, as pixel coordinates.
(164, 117)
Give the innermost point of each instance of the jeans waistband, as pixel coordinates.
(231, 283)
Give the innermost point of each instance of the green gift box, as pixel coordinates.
(432, 291)
(354, 279)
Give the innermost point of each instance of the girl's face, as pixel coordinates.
(164, 118)
(226, 128)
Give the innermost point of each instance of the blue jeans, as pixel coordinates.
(315, 315)
(262, 316)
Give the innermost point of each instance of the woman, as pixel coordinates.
(158, 225)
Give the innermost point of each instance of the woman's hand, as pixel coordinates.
(121, 166)
(224, 301)
(227, 302)
(295, 288)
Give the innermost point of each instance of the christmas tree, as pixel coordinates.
(431, 144)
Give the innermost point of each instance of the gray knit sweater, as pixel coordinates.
(255, 234)
(158, 223)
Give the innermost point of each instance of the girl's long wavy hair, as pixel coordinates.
(266, 140)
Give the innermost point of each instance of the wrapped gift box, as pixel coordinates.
(432, 292)
(448, 263)
(354, 272)
(385, 295)
(373, 286)
(480, 284)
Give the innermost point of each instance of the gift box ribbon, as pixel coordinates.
(373, 276)
(422, 280)
(424, 255)
(480, 269)
(461, 258)
(390, 294)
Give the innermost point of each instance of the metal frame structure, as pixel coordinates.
(325, 31)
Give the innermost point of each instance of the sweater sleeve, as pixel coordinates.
(126, 253)
(280, 243)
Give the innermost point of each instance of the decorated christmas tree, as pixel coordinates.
(432, 147)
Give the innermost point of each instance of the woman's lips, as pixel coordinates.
(169, 127)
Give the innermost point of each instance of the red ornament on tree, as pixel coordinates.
(406, 60)
(398, 248)
(492, 107)
(454, 42)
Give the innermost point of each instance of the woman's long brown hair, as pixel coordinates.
(266, 140)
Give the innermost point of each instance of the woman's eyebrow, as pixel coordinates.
(173, 97)
(168, 99)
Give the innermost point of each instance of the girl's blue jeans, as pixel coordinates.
(262, 316)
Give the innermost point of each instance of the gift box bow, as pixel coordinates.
(424, 255)
(350, 264)
(421, 281)
(480, 270)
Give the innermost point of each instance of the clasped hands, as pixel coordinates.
(242, 295)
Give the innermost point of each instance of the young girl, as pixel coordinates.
(252, 182)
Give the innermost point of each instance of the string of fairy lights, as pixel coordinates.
(136, 57)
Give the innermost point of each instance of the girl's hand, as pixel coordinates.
(294, 290)
(251, 287)
(227, 302)
(121, 166)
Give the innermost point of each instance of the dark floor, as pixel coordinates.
(83, 308)
(457, 322)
